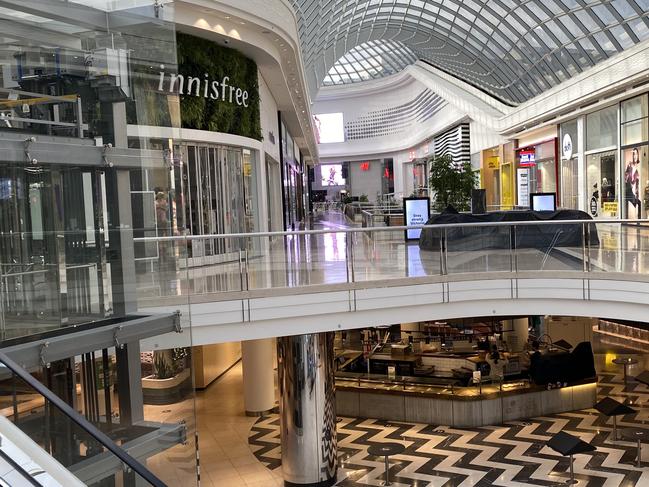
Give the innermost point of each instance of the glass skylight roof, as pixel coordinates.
(513, 50)
(370, 60)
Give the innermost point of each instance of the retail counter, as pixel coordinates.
(423, 400)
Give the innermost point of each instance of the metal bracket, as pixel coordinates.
(41, 355)
(176, 322)
(116, 337)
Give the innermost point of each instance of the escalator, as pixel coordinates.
(53, 444)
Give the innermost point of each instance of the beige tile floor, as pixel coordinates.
(223, 427)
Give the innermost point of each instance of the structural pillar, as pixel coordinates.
(521, 331)
(307, 407)
(258, 376)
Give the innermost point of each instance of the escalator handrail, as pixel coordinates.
(18, 468)
(82, 422)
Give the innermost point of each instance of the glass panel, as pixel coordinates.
(602, 180)
(601, 129)
(634, 109)
(636, 182)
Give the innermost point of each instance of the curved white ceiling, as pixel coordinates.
(513, 50)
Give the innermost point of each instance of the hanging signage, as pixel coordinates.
(566, 147)
(527, 157)
(523, 183)
(365, 166)
(417, 212)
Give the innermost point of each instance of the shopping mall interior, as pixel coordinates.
(308, 243)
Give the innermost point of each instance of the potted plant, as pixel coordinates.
(170, 379)
(451, 183)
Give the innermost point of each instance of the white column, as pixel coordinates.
(258, 376)
(521, 331)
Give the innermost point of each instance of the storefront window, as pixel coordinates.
(636, 182)
(602, 171)
(601, 129)
(602, 166)
(546, 172)
(634, 133)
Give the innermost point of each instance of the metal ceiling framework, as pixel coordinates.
(512, 50)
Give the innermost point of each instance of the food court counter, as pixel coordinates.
(439, 401)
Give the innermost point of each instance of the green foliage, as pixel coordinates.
(163, 366)
(363, 198)
(451, 183)
(198, 56)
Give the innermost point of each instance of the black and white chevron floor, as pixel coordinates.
(512, 454)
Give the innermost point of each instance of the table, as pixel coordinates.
(569, 445)
(636, 434)
(626, 362)
(385, 450)
(610, 407)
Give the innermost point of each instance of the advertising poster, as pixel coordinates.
(632, 178)
(417, 212)
(523, 183)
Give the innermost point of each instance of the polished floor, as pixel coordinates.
(512, 454)
(240, 451)
(226, 459)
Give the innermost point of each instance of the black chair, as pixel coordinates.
(610, 407)
(569, 445)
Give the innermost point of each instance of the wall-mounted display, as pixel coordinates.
(329, 128)
(332, 175)
(417, 212)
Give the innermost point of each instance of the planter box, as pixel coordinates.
(167, 391)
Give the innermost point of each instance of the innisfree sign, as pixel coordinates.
(217, 90)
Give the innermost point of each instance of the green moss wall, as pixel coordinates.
(198, 56)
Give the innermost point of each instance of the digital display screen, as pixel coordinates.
(332, 175)
(543, 201)
(417, 211)
(329, 128)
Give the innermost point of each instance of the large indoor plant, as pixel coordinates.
(170, 379)
(450, 183)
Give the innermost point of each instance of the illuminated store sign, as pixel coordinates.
(365, 166)
(527, 157)
(203, 87)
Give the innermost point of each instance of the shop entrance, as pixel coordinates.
(219, 198)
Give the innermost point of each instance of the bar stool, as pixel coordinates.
(385, 450)
(610, 407)
(569, 445)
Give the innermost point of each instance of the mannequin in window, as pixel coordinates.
(632, 185)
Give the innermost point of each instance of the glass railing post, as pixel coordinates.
(514, 247)
(445, 251)
(247, 270)
(584, 251)
(241, 288)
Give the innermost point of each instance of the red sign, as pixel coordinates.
(527, 157)
(365, 166)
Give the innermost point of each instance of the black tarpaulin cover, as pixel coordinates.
(500, 237)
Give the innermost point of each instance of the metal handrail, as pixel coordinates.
(82, 422)
(388, 229)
